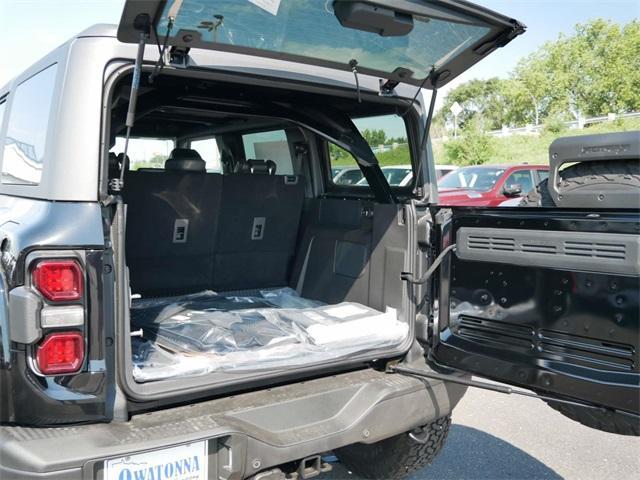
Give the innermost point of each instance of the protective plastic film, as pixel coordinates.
(267, 329)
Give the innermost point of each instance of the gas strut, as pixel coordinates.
(414, 372)
(142, 24)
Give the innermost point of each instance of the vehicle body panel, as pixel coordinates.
(249, 432)
(70, 167)
(27, 226)
(256, 428)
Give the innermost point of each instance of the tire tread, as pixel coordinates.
(395, 457)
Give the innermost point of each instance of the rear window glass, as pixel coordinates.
(473, 178)
(145, 152)
(387, 137)
(271, 145)
(26, 136)
(210, 153)
(311, 29)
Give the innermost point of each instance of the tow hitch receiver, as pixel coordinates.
(307, 468)
(492, 387)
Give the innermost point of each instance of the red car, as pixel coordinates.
(489, 185)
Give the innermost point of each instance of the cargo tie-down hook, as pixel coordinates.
(353, 63)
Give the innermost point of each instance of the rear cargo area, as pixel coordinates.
(317, 281)
(249, 330)
(239, 259)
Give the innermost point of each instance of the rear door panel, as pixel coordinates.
(544, 299)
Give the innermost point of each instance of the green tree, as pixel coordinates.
(474, 147)
(528, 89)
(157, 161)
(592, 72)
(375, 137)
(476, 97)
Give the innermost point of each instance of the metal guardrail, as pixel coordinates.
(526, 130)
(536, 129)
(572, 124)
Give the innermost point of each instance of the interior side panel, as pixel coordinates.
(332, 262)
(390, 243)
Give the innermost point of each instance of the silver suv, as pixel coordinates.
(187, 293)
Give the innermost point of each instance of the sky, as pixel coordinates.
(31, 28)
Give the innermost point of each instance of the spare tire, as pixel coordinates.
(587, 174)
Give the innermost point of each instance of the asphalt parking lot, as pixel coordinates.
(495, 436)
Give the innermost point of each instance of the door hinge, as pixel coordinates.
(179, 57)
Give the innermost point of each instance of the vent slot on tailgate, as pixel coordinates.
(596, 250)
(579, 251)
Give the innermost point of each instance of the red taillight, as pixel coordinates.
(58, 280)
(61, 353)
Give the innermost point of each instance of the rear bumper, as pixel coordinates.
(247, 433)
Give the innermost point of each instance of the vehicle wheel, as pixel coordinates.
(600, 420)
(586, 174)
(396, 457)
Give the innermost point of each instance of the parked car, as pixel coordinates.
(346, 175)
(442, 170)
(396, 175)
(489, 185)
(402, 175)
(176, 322)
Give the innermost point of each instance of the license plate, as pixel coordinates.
(184, 462)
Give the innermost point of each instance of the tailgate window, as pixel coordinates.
(311, 29)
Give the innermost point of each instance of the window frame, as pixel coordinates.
(538, 175)
(332, 189)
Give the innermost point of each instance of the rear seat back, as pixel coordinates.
(258, 228)
(172, 225)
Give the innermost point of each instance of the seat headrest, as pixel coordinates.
(186, 160)
(123, 162)
(256, 166)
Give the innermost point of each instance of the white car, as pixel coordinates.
(402, 175)
(347, 176)
(396, 175)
